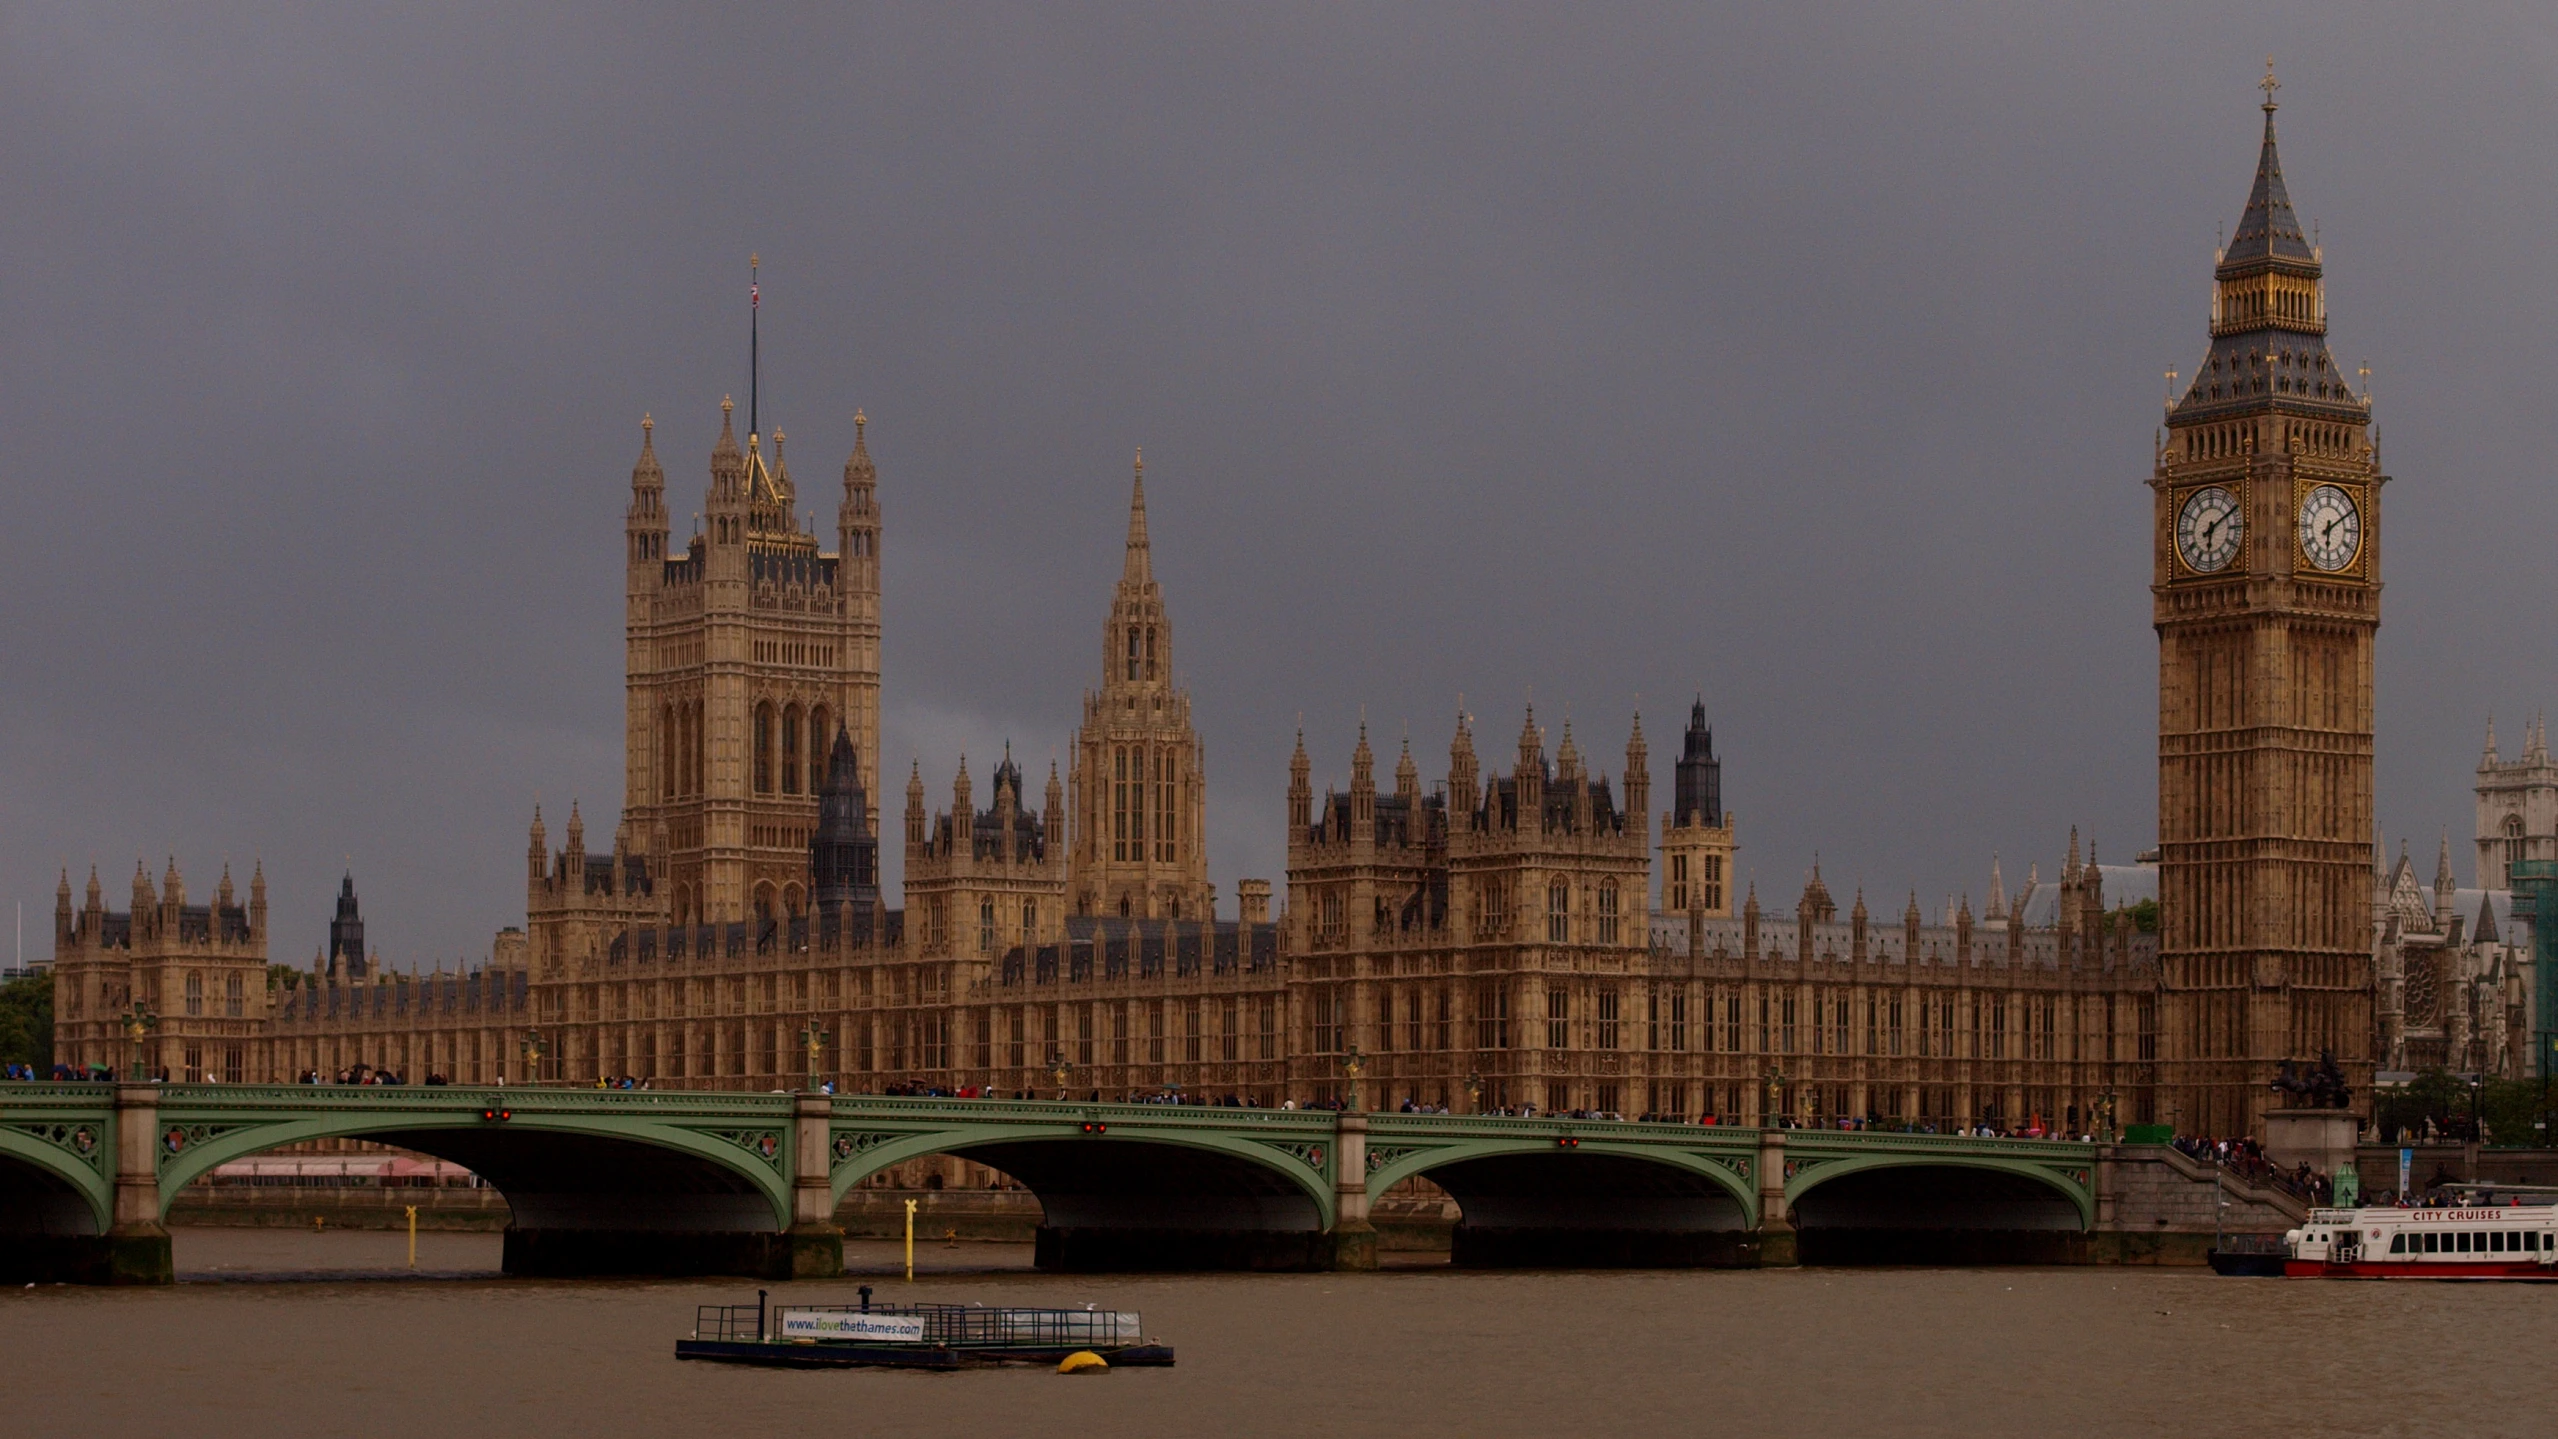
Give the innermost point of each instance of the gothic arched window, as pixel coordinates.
(666, 752)
(2514, 843)
(764, 749)
(790, 751)
(821, 746)
(1558, 912)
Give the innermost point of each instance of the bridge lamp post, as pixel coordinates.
(534, 1052)
(137, 1022)
(2105, 1109)
(1353, 1064)
(1775, 1092)
(1474, 1094)
(813, 1040)
(1060, 1069)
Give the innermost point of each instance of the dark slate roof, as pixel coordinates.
(2267, 228)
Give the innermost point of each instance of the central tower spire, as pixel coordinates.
(1139, 569)
(1140, 783)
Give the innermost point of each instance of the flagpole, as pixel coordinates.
(754, 338)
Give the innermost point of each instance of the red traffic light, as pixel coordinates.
(1095, 1126)
(492, 1114)
(1566, 1141)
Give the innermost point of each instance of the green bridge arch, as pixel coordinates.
(1393, 1158)
(64, 1134)
(2069, 1174)
(746, 1137)
(1295, 1149)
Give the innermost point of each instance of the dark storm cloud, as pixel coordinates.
(1805, 357)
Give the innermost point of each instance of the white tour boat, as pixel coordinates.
(2464, 1241)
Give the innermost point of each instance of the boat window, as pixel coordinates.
(2495, 1241)
(2433, 1241)
(2398, 1244)
(2463, 1240)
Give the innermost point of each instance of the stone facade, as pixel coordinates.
(196, 973)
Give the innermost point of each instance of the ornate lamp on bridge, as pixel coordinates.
(1474, 1094)
(136, 1022)
(534, 1052)
(813, 1040)
(1060, 1069)
(1775, 1095)
(1353, 1064)
(2105, 1117)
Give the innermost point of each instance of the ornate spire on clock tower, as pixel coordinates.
(2266, 597)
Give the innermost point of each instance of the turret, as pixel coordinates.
(1463, 773)
(1530, 778)
(62, 910)
(1300, 793)
(1638, 783)
(645, 524)
(257, 902)
(1363, 791)
(1407, 782)
(537, 852)
(915, 809)
(1052, 814)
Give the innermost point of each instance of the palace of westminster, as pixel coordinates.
(1520, 930)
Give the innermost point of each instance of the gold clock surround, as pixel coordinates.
(2236, 564)
(2355, 494)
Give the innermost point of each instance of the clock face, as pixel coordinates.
(2208, 529)
(2331, 528)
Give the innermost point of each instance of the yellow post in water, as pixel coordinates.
(412, 1236)
(910, 1241)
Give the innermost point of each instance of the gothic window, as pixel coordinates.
(764, 749)
(1137, 802)
(1163, 803)
(666, 752)
(1229, 1030)
(1558, 912)
(1491, 1015)
(2513, 846)
(232, 996)
(195, 993)
(1133, 642)
(1608, 1024)
(1150, 651)
(1029, 921)
(986, 927)
(1415, 1036)
(1678, 881)
(1608, 913)
(821, 738)
(1119, 804)
(1558, 1019)
(790, 751)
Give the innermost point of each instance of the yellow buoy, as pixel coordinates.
(1083, 1361)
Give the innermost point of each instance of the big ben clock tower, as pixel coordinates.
(2266, 596)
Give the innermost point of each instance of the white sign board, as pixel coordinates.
(853, 1325)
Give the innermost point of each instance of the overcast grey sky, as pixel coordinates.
(1808, 356)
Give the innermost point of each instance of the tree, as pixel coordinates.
(26, 1021)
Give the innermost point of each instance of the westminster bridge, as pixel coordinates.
(679, 1181)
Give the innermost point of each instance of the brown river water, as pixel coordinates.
(291, 1333)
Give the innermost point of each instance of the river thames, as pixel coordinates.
(281, 1333)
